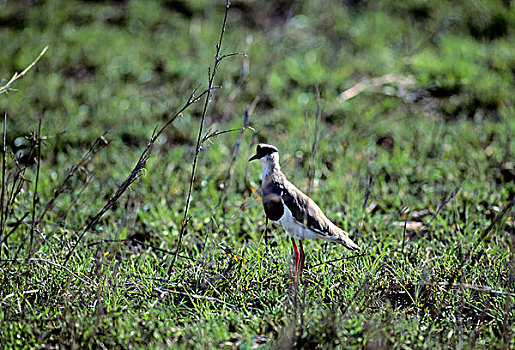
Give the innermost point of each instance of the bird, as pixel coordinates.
(294, 211)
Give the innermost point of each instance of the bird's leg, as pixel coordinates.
(296, 261)
(301, 258)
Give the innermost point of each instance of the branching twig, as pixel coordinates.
(140, 165)
(2, 199)
(212, 74)
(17, 76)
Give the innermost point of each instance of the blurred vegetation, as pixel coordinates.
(418, 165)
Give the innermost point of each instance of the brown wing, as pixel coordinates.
(307, 212)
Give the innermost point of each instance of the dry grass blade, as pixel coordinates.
(357, 89)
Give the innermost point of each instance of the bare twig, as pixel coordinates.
(448, 198)
(212, 74)
(404, 238)
(54, 264)
(35, 196)
(99, 143)
(235, 152)
(2, 199)
(131, 240)
(16, 188)
(497, 219)
(74, 198)
(474, 287)
(311, 171)
(194, 296)
(368, 191)
(17, 76)
(134, 174)
(232, 54)
(248, 113)
(15, 225)
(338, 260)
(210, 135)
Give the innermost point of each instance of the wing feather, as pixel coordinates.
(307, 213)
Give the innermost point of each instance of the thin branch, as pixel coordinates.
(211, 74)
(134, 174)
(130, 240)
(15, 225)
(35, 196)
(74, 198)
(368, 191)
(210, 135)
(97, 145)
(232, 54)
(497, 219)
(338, 260)
(235, 152)
(447, 199)
(194, 296)
(474, 287)
(49, 262)
(17, 76)
(2, 199)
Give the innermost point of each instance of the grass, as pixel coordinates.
(419, 169)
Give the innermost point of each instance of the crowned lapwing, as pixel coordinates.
(298, 214)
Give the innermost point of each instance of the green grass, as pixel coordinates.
(439, 152)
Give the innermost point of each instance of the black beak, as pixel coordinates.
(254, 157)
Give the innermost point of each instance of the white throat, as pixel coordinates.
(270, 164)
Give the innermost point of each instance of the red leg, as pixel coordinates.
(301, 258)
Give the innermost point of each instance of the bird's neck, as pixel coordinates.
(270, 168)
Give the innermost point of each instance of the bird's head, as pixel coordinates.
(267, 155)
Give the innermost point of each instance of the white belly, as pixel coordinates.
(292, 226)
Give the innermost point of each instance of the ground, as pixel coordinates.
(396, 118)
